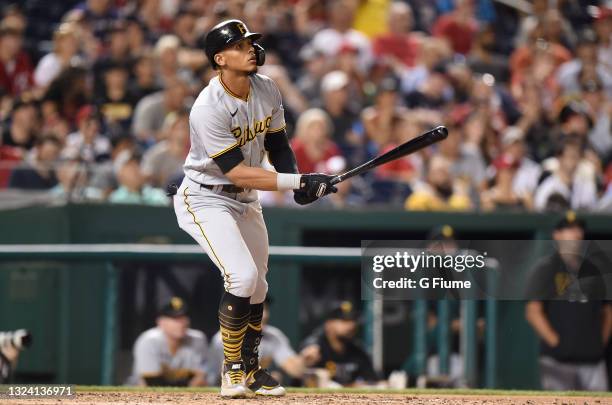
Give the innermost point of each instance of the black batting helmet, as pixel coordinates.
(226, 33)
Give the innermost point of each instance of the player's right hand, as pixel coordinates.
(316, 185)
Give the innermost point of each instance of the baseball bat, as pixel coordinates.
(422, 141)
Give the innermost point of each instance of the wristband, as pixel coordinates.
(287, 181)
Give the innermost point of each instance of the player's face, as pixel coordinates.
(240, 56)
(175, 328)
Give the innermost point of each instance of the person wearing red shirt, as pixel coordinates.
(458, 27)
(398, 44)
(16, 71)
(312, 144)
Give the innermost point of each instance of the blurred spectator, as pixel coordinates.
(483, 57)
(103, 177)
(170, 354)
(329, 40)
(143, 82)
(115, 102)
(67, 93)
(116, 52)
(10, 156)
(136, 37)
(38, 173)
(538, 59)
(528, 172)
(16, 71)
(100, 14)
(465, 158)
(22, 129)
(335, 349)
(315, 67)
(432, 52)
(65, 53)
(603, 28)
(312, 142)
(275, 353)
(585, 60)
(563, 189)
(575, 122)
(458, 27)
(168, 62)
(501, 196)
(573, 324)
(529, 22)
(132, 184)
(87, 144)
(185, 29)
(600, 112)
(72, 184)
(557, 30)
(378, 119)
(399, 45)
(432, 91)
(440, 192)
(151, 111)
(164, 161)
(335, 93)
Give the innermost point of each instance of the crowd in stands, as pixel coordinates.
(95, 97)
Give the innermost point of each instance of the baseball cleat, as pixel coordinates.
(233, 381)
(260, 382)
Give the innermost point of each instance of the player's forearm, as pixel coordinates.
(536, 318)
(261, 179)
(294, 366)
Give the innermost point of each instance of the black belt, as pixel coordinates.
(228, 188)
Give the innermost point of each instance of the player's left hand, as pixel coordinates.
(302, 198)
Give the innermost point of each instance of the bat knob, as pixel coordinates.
(441, 132)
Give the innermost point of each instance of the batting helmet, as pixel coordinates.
(228, 32)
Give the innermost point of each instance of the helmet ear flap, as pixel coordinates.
(260, 54)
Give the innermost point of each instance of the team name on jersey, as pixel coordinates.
(247, 134)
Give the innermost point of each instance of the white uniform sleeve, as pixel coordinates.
(278, 113)
(214, 359)
(146, 358)
(283, 350)
(200, 348)
(211, 125)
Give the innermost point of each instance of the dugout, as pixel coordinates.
(64, 302)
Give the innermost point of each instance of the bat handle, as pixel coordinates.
(336, 180)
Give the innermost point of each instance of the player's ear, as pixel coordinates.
(219, 59)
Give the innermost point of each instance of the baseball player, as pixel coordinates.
(234, 121)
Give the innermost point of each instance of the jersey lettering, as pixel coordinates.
(248, 134)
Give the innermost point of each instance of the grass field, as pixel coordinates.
(101, 395)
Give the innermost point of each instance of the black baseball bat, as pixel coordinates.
(422, 141)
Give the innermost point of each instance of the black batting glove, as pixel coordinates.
(302, 198)
(316, 185)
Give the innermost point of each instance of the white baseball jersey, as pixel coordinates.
(221, 121)
(152, 356)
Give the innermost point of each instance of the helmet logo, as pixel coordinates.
(242, 28)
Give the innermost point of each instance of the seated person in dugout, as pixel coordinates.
(569, 314)
(275, 353)
(334, 348)
(170, 354)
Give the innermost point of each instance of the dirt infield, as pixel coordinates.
(193, 398)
